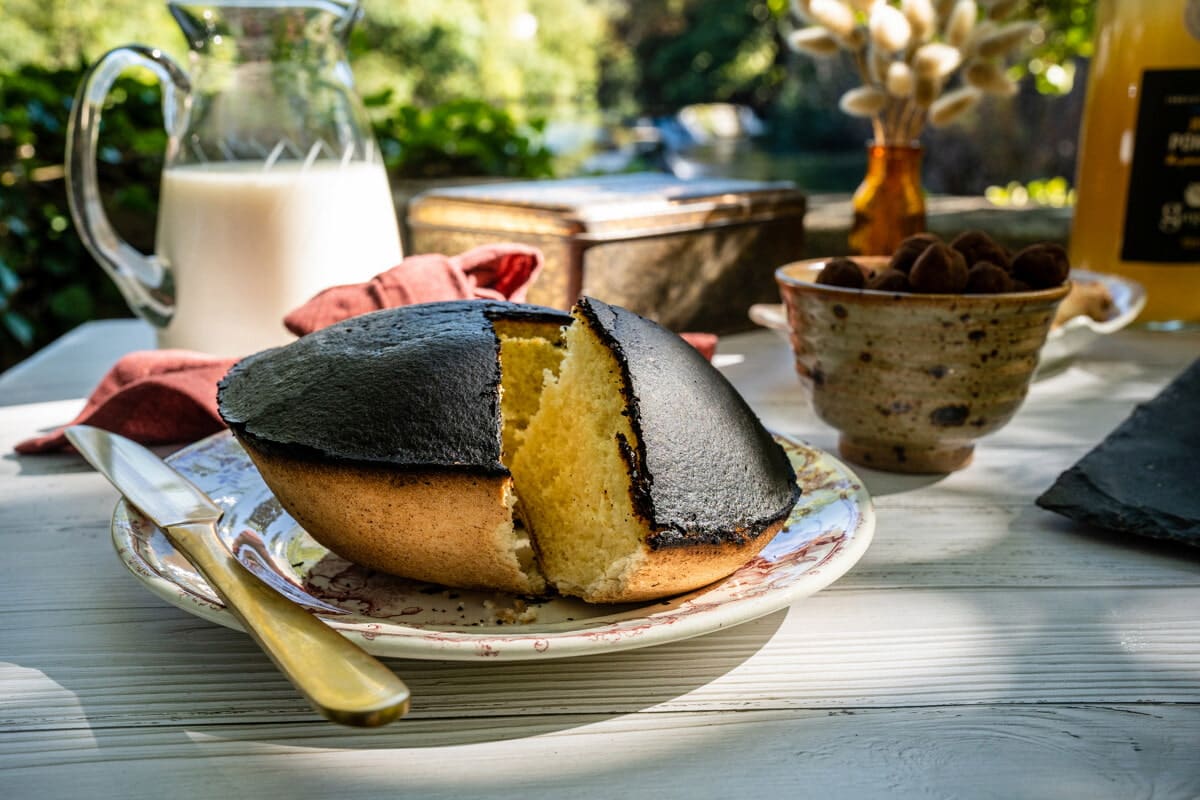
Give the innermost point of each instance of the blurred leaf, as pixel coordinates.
(135, 197)
(72, 304)
(379, 99)
(17, 227)
(17, 327)
(9, 281)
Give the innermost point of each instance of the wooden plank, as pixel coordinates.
(994, 751)
(1005, 548)
(150, 667)
(74, 363)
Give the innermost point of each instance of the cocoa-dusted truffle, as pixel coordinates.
(977, 247)
(842, 272)
(1041, 265)
(988, 278)
(939, 270)
(909, 250)
(890, 280)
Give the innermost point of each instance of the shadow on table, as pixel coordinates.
(1130, 545)
(882, 484)
(228, 691)
(48, 464)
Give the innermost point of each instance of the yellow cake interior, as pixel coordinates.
(528, 354)
(563, 447)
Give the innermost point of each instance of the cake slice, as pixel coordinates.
(644, 473)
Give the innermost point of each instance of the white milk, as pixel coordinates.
(248, 245)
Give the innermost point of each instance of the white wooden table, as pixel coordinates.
(983, 648)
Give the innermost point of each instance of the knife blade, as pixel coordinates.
(148, 482)
(340, 680)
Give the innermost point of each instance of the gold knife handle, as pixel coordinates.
(341, 680)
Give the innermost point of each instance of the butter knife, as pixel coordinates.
(342, 681)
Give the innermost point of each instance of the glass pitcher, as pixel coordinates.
(273, 188)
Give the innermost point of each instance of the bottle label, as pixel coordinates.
(1162, 216)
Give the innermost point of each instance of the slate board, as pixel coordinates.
(1143, 479)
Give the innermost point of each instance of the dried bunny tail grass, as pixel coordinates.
(878, 63)
(936, 60)
(856, 40)
(921, 18)
(1005, 39)
(899, 80)
(989, 77)
(926, 90)
(890, 29)
(952, 105)
(983, 29)
(835, 15)
(800, 10)
(863, 101)
(961, 22)
(1001, 9)
(865, 6)
(815, 41)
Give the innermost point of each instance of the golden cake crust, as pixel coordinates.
(673, 570)
(398, 522)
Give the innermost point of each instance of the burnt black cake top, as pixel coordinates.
(702, 450)
(416, 386)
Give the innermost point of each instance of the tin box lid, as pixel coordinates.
(606, 207)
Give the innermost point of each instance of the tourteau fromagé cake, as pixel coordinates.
(514, 448)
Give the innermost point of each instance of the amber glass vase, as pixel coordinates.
(889, 205)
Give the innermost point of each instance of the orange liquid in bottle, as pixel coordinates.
(1133, 36)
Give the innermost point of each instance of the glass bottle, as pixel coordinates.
(889, 205)
(1138, 208)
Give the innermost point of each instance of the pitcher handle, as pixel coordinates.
(144, 281)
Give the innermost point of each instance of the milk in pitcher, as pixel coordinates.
(247, 243)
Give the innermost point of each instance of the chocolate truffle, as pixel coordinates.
(1041, 265)
(978, 247)
(939, 270)
(909, 250)
(842, 272)
(988, 278)
(890, 280)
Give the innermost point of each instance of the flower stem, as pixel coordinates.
(864, 73)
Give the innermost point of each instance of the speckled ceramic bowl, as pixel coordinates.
(912, 380)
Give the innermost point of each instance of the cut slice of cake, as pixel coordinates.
(643, 472)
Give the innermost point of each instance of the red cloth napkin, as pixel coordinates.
(490, 272)
(168, 396)
(151, 396)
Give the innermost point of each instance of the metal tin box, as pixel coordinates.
(693, 255)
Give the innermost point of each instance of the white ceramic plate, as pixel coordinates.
(1076, 334)
(827, 533)
(1062, 344)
